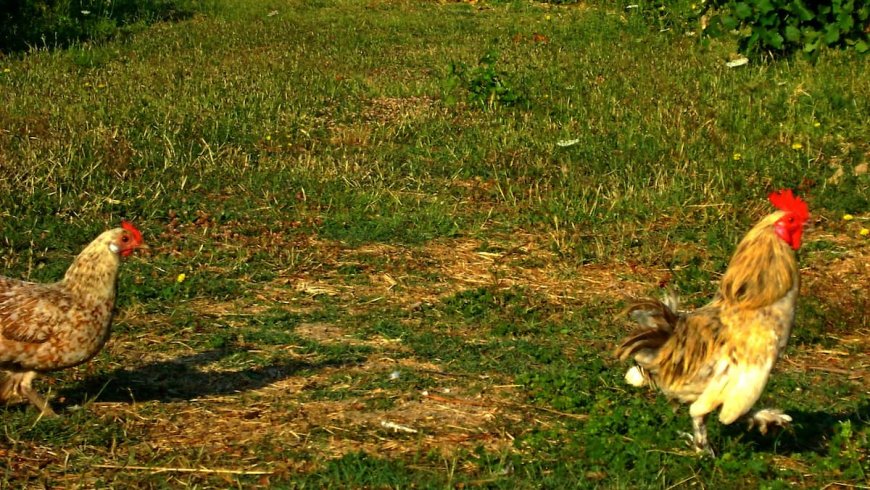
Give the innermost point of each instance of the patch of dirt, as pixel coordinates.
(389, 110)
(408, 277)
(453, 417)
(327, 333)
(841, 279)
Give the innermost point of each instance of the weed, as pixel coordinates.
(487, 87)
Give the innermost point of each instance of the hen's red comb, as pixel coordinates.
(785, 200)
(137, 235)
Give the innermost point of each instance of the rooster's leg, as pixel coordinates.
(699, 435)
(767, 417)
(19, 384)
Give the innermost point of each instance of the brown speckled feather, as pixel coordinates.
(45, 327)
(29, 312)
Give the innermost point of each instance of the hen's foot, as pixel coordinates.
(17, 386)
(767, 417)
(39, 402)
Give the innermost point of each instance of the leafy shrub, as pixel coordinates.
(486, 86)
(792, 25)
(778, 26)
(57, 23)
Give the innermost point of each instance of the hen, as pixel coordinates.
(48, 327)
(721, 355)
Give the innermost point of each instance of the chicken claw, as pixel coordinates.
(767, 417)
(18, 385)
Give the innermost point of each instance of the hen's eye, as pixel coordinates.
(125, 239)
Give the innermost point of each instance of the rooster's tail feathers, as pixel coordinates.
(656, 319)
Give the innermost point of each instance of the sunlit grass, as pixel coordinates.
(342, 234)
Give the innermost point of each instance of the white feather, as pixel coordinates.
(635, 377)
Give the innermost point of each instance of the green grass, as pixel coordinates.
(368, 237)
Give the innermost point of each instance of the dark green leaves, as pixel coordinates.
(742, 10)
(487, 86)
(792, 25)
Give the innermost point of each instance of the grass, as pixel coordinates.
(368, 237)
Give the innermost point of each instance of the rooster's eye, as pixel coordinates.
(125, 239)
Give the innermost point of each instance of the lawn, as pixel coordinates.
(390, 240)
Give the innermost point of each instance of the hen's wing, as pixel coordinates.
(29, 312)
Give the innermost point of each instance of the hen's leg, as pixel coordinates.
(19, 384)
(767, 417)
(7, 390)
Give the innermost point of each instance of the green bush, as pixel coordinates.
(58, 23)
(774, 26)
(486, 86)
(793, 25)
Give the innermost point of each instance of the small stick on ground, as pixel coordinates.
(167, 469)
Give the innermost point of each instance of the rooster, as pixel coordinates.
(49, 327)
(720, 355)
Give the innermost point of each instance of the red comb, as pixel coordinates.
(137, 235)
(785, 200)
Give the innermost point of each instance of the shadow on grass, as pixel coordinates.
(182, 379)
(809, 431)
(51, 25)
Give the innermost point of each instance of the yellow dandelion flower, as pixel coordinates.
(268, 137)
(796, 146)
(848, 217)
(864, 232)
(6, 70)
(816, 124)
(181, 277)
(737, 157)
(546, 17)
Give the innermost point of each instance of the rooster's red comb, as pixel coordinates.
(786, 201)
(137, 235)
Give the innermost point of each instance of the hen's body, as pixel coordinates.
(47, 327)
(721, 355)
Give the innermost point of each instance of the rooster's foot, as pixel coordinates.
(700, 447)
(698, 438)
(768, 417)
